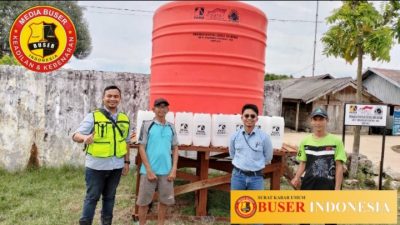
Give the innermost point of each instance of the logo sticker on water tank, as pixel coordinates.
(233, 16)
(221, 129)
(275, 131)
(216, 14)
(201, 130)
(183, 129)
(199, 13)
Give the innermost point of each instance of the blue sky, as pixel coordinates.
(121, 39)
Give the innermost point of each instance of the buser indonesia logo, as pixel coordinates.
(245, 207)
(43, 38)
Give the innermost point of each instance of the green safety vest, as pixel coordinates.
(107, 140)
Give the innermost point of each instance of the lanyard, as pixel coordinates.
(248, 143)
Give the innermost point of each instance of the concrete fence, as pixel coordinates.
(42, 111)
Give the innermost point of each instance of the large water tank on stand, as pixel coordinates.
(207, 56)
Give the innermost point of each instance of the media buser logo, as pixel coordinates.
(245, 207)
(43, 38)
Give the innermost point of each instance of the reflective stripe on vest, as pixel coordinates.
(107, 141)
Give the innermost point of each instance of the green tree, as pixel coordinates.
(273, 76)
(9, 10)
(8, 60)
(357, 30)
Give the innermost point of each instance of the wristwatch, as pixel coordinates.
(127, 162)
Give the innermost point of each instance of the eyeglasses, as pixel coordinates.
(249, 115)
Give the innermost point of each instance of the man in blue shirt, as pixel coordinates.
(107, 155)
(158, 141)
(250, 149)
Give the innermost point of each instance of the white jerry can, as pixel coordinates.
(142, 115)
(265, 124)
(277, 131)
(221, 127)
(237, 122)
(201, 129)
(184, 127)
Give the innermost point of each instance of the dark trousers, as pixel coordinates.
(104, 183)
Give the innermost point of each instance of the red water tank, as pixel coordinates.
(208, 56)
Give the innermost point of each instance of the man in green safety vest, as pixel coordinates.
(106, 135)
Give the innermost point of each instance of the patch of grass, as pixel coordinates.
(49, 196)
(53, 196)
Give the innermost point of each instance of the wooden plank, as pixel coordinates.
(202, 184)
(221, 165)
(194, 148)
(220, 156)
(192, 219)
(187, 162)
(222, 187)
(272, 168)
(187, 176)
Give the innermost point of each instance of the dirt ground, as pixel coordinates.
(370, 145)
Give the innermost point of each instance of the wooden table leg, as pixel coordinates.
(201, 209)
(136, 208)
(276, 176)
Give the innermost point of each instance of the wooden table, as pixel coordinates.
(200, 182)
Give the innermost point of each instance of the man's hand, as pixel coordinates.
(295, 182)
(125, 170)
(151, 176)
(133, 137)
(88, 139)
(172, 175)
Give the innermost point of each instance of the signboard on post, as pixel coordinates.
(368, 115)
(396, 122)
(365, 115)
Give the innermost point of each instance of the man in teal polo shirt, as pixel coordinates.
(157, 141)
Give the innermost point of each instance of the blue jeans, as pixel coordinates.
(239, 181)
(100, 182)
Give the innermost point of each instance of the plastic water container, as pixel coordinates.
(201, 129)
(277, 131)
(265, 124)
(237, 122)
(184, 127)
(141, 116)
(221, 128)
(170, 117)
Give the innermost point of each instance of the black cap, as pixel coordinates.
(160, 101)
(319, 112)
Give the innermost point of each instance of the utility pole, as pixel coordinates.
(315, 40)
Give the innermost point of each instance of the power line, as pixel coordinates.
(308, 66)
(298, 21)
(148, 11)
(119, 9)
(124, 14)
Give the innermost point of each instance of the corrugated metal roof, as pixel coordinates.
(392, 76)
(308, 89)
